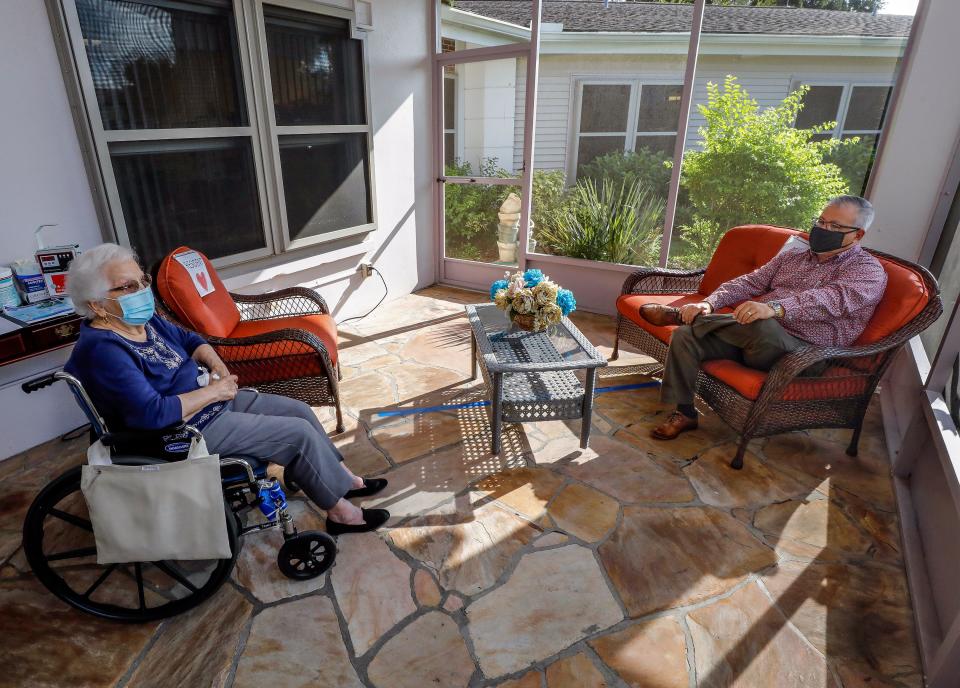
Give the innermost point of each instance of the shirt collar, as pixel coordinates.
(853, 250)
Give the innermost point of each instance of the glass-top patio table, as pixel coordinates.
(531, 375)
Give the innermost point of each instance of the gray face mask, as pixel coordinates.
(823, 240)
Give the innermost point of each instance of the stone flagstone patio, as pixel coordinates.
(634, 563)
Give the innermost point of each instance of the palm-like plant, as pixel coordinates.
(607, 222)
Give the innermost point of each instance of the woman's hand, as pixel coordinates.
(224, 389)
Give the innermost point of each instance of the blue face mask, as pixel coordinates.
(137, 307)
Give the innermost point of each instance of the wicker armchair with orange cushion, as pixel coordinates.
(283, 342)
(757, 403)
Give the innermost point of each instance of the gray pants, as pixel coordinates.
(757, 345)
(285, 431)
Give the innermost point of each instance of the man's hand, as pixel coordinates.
(692, 310)
(750, 311)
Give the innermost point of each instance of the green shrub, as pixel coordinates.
(650, 166)
(695, 243)
(616, 224)
(755, 166)
(854, 160)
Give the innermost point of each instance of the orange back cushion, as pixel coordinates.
(742, 250)
(215, 314)
(905, 296)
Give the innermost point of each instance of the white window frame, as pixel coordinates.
(261, 129)
(844, 106)
(636, 84)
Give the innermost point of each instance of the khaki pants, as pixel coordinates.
(717, 335)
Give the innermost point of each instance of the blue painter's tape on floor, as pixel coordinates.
(480, 404)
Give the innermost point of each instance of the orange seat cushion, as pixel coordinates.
(628, 306)
(835, 382)
(903, 299)
(742, 250)
(214, 315)
(321, 325)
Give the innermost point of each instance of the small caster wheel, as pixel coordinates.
(306, 555)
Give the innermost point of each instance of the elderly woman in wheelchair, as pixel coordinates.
(152, 383)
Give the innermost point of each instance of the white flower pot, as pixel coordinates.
(508, 251)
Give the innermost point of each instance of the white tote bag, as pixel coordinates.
(159, 511)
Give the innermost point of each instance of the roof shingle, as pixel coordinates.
(645, 17)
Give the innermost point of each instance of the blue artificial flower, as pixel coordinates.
(497, 286)
(565, 300)
(532, 277)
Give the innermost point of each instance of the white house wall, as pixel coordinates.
(767, 79)
(43, 180)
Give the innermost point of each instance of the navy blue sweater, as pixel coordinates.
(134, 384)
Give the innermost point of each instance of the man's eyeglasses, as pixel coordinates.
(835, 226)
(132, 286)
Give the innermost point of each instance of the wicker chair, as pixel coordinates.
(283, 342)
(756, 403)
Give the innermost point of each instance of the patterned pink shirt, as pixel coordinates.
(827, 304)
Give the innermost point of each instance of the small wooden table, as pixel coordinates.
(530, 375)
(26, 341)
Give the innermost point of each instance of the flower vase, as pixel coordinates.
(524, 321)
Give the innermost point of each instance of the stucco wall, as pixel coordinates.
(43, 180)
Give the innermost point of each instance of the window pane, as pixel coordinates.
(200, 194)
(659, 108)
(855, 160)
(156, 67)
(867, 105)
(325, 181)
(472, 227)
(449, 102)
(661, 145)
(315, 68)
(604, 108)
(592, 146)
(820, 105)
(449, 149)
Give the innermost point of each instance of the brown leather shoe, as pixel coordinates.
(659, 315)
(675, 423)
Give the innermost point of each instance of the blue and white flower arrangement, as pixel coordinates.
(531, 300)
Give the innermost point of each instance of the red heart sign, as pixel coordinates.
(202, 279)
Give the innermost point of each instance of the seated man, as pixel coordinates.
(142, 371)
(823, 296)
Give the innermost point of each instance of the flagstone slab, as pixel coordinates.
(454, 603)
(525, 490)
(584, 512)
(415, 381)
(814, 529)
(630, 406)
(551, 540)
(710, 432)
(740, 642)
(48, 644)
(662, 558)
(531, 679)
(425, 589)
(558, 592)
(428, 652)
(576, 671)
(359, 453)
(719, 485)
(420, 486)
(857, 614)
(652, 653)
(373, 589)
(196, 648)
(368, 391)
(882, 527)
(13, 509)
(618, 470)
(446, 345)
(825, 466)
(256, 568)
(296, 645)
(418, 434)
(469, 555)
(356, 352)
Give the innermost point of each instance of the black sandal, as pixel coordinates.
(373, 519)
(371, 486)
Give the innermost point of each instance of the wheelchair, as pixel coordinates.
(58, 537)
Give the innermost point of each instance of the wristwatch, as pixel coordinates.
(778, 311)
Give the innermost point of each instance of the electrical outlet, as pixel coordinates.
(365, 270)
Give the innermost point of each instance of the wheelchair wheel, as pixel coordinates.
(306, 555)
(60, 548)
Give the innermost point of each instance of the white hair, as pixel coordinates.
(865, 211)
(86, 281)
